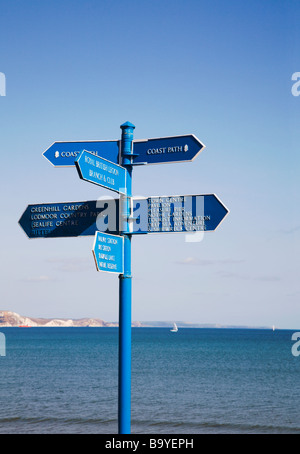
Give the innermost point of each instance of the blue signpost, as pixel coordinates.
(114, 221)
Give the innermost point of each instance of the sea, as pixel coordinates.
(195, 381)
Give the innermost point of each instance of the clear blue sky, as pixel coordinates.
(77, 70)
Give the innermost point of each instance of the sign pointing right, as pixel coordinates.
(185, 213)
(166, 149)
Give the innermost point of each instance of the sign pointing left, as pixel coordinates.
(64, 154)
(69, 219)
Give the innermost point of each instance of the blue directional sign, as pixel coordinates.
(101, 172)
(166, 149)
(188, 213)
(70, 219)
(64, 154)
(108, 251)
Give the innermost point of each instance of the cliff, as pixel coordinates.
(8, 318)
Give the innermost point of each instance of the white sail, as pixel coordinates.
(175, 329)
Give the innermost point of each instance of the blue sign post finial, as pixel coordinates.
(125, 287)
(127, 138)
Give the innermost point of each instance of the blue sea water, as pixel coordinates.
(195, 381)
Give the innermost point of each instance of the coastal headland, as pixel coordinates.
(12, 319)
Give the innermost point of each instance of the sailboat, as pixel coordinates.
(175, 329)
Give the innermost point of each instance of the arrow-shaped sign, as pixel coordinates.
(187, 213)
(101, 172)
(70, 219)
(64, 154)
(166, 149)
(161, 214)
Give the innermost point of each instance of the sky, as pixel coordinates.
(76, 70)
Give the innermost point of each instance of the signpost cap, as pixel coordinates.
(127, 125)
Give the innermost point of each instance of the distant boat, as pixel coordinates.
(175, 329)
(273, 327)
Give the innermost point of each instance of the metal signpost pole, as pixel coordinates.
(125, 284)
